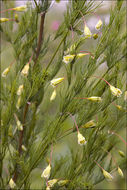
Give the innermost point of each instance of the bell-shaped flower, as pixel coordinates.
(81, 139)
(25, 70)
(99, 24)
(115, 91)
(6, 71)
(56, 81)
(46, 172)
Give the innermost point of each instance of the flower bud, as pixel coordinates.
(121, 153)
(95, 99)
(120, 172)
(12, 184)
(6, 71)
(99, 24)
(4, 20)
(18, 102)
(19, 125)
(20, 89)
(68, 58)
(57, 81)
(22, 8)
(89, 124)
(107, 175)
(115, 91)
(24, 148)
(95, 36)
(79, 55)
(46, 172)
(81, 139)
(87, 32)
(62, 182)
(119, 107)
(25, 70)
(53, 96)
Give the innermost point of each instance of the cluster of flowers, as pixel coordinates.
(87, 33)
(18, 9)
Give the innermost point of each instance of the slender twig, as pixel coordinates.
(20, 140)
(40, 39)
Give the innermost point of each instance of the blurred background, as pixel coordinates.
(54, 18)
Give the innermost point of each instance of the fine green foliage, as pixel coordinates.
(37, 131)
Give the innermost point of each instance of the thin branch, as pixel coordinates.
(40, 39)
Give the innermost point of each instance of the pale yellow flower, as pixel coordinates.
(99, 24)
(81, 139)
(68, 58)
(20, 89)
(46, 172)
(115, 91)
(107, 175)
(89, 124)
(12, 184)
(19, 125)
(52, 182)
(6, 71)
(56, 81)
(24, 148)
(25, 70)
(120, 172)
(87, 32)
(4, 20)
(18, 102)
(53, 96)
(62, 182)
(22, 8)
(95, 99)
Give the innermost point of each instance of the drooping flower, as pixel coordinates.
(107, 175)
(53, 96)
(87, 32)
(6, 71)
(20, 89)
(115, 91)
(120, 172)
(81, 139)
(89, 124)
(12, 184)
(18, 102)
(46, 172)
(95, 99)
(68, 58)
(4, 20)
(24, 148)
(56, 81)
(21, 8)
(99, 24)
(19, 125)
(63, 182)
(25, 70)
